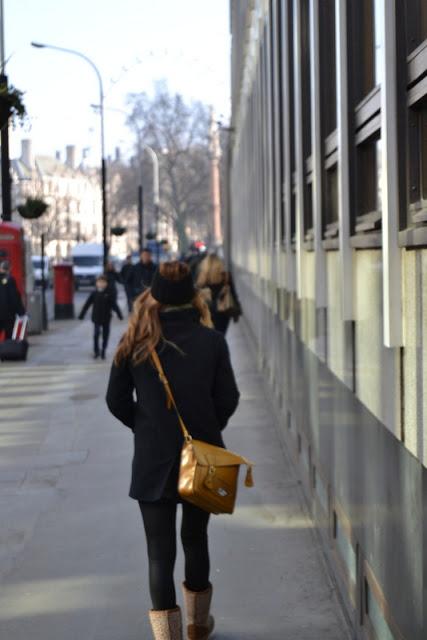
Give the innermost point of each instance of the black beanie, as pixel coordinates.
(173, 292)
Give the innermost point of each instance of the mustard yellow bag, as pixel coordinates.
(208, 474)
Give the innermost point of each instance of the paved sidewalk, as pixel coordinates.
(72, 551)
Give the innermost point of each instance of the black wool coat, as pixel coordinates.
(197, 364)
(125, 273)
(141, 277)
(102, 303)
(10, 301)
(112, 279)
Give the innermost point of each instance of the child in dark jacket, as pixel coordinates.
(103, 303)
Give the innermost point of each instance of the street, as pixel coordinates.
(72, 549)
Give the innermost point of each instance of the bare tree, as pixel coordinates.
(56, 223)
(179, 133)
(124, 178)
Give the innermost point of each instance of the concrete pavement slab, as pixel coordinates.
(72, 550)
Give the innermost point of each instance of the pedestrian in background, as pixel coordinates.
(194, 257)
(173, 319)
(125, 274)
(103, 304)
(221, 295)
(112, 279)
(142, 273)
(10, 301)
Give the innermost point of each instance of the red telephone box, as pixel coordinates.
(12, 249)
(63, 283)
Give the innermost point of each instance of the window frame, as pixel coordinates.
(412, 93)
(329, 119)
(365, 122)
(306, 89)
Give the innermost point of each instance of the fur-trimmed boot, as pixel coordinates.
(166, 625)
(200, 623)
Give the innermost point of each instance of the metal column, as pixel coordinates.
(346, 253)
(392, 276)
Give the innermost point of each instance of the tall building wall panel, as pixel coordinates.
(340, 198)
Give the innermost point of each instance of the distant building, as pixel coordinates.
(72, 192)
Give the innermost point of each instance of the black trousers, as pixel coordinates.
(160, 529)
(97, 330)
(129, 296)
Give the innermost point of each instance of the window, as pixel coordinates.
(417, 155)
(367, 32)
(305, 72)
(328, 97)
(331, 203)
(368, 187)
(366, 45)
(378, 40)
(413, 13)
(308, 212)
(416, 23)
(328, 66)
(306, 116)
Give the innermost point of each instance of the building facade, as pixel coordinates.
(328, 177)
(72, 192)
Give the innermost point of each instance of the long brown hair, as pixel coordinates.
(144, 331)
(211, 271)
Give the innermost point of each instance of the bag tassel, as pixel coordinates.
(249, 480)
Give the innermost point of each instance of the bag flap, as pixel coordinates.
(210, 455)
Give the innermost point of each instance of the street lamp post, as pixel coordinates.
(4, 134)
(140, 216)
(40, 45)
(156, 193)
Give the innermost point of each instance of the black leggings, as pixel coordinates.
(160, 529)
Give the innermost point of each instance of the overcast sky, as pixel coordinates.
(133, 42)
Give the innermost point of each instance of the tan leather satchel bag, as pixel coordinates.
(208, 474)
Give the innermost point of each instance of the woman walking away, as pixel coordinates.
(172, 319)
(112, 279)
(103, 304)
(220, 293)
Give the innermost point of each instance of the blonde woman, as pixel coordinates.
(218, 288)
(173, 319)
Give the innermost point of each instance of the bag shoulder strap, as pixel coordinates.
(169, 395)
(187, 437)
